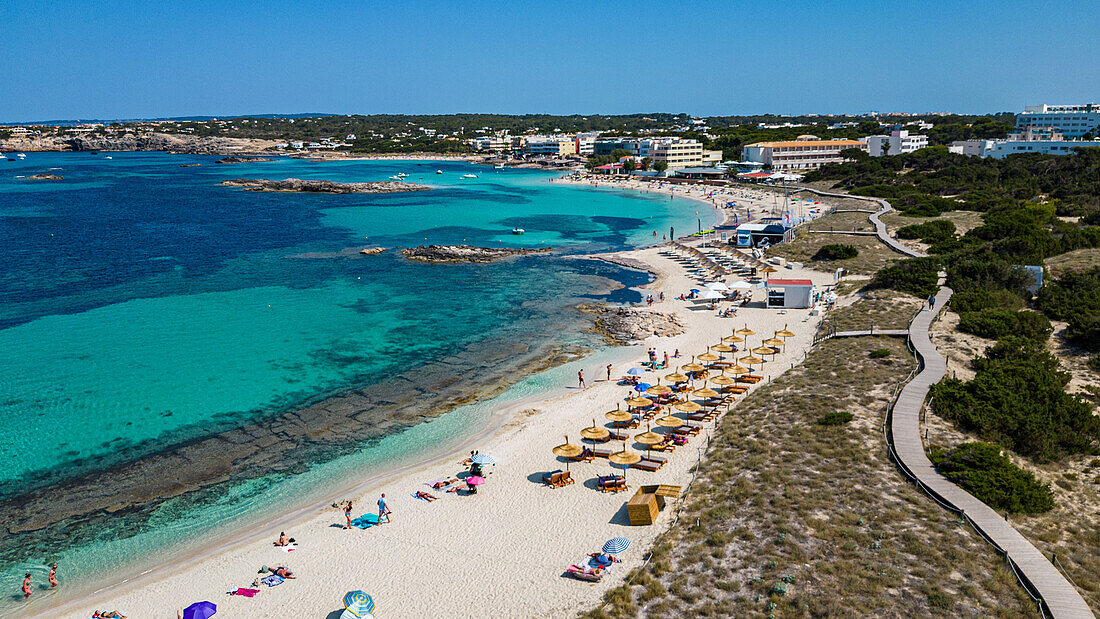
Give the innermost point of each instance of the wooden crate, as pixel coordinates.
(642, 508)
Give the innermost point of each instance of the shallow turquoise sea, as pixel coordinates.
(143, 305)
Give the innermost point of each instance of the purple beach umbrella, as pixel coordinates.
(200, 610)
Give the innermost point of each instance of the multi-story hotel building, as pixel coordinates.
(805, 153)
(1070, 120)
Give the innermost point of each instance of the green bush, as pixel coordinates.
(1075, 298)
(935, 231)
(1017, 398)
(916, 276)
(986, 472)
(835, 251)
(834, 419)
(1094, 362)
(978, 300)
(880, 353)
(996, 324)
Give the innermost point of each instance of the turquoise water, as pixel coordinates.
(145, 307)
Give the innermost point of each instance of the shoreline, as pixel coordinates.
(511, 430)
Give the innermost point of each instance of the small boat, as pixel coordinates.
(518, 231)
(395, 178)
(402, 174)
(500, 167)
(22, 155)
(439, 171)
(109, 157)
(469, 176)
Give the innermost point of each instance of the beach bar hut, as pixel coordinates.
(790, 293)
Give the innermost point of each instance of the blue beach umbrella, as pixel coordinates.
(643, 386)
(635, 371)
(358, 603)
(483, 459)
(200, 610)
(616, 545)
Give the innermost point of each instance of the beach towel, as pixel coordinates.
(365, 521)
(288, 547)
(272, 580)
(245, 592)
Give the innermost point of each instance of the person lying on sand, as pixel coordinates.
(420, 494)
(283, 571)
(108, 614)
(603, 557)
(284, 540)
(439, 485)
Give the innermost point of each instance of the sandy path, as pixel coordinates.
(501, 552)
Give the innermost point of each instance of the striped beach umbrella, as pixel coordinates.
(358, 603)
(483, 459)
(616, 545)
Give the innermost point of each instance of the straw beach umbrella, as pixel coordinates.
(688, 406)
(708, 356)
(675, 377)
(692, 367)
(659, 389)
(733, 339)
(649, 438)
(722, 348)
(774, 342)
(764, 350)
(705, 392)
(745, 331)
(784, 332)
(568, 450)
(751, 360)
(668, 421)
(639, 401)
(624, 458)
(722, 380)
(595, 433)
(618, 416)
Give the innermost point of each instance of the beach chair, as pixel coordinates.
(688, 429)
(590, 575)
(615, 435)
(612, 483)
(557, 479)
(666, 446)
(656, 458)
(601, 452)
(586, 455)
(647, 465)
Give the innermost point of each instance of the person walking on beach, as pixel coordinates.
(53, 575)
(931, 301)
(347, 514)
(383, 509)
(608, 372)
(27, 591)
(666, 358)
(580, 379)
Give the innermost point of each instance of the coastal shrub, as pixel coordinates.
(934, 231)
(880, 353)
(917, 276)
(835, 251)
(986, 472)
(1017, 399)
(1075, 298)
(1000, 323)
(1094, 362)
(834, 419)
(978, 300)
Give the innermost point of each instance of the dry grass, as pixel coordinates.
(790, 518)
(885, 309)
(963, 220)
(1075, 261)
(842, 221)
(873, 255)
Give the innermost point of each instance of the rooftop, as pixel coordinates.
(789, 282)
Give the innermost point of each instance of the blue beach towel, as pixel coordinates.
(273, 580)
(365, 521)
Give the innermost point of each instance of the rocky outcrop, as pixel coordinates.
(140, 142)
(298, 185)
(628, 325)
(371, 251)
(238, 159)
(466, 253)
(46, 177)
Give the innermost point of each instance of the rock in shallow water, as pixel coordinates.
(627, 325)
(466, 253)
(303, 186)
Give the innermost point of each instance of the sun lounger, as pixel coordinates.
(601, 452)
(655, 458)
(647, 465)
(666, 446)
(611, 483)
(618, 436)
(589, 574)
(558, 478)
(688, 428)
(585, 456)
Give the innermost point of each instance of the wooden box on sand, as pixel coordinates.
(648, 501)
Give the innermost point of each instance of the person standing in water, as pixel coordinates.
(580, 379)
(53, 575)
(608, 372)
(27, 591)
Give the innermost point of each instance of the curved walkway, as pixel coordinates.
(1060, 597)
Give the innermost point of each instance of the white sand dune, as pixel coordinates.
(500, 553)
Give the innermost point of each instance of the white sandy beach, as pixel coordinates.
(501, 552)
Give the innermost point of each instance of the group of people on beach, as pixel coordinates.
(383, 510)
(28, 588)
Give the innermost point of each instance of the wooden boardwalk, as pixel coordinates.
(1060, 597)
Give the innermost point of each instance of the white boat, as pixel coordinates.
(22, 155)
(500, 167)
(469, 176)
(518, 231)
(439, 171)
(109, 157)
(402, 174)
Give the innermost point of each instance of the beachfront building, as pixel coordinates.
(676, 153)
(898, 142)
(606, 146)
(585, 143)
(1070, 120)
(1031, 140)
(790, 293)
(493, 143)
(550, 145)
(805, 153)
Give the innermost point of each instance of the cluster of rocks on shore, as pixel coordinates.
(466, 253)
(46, 177)
(304, 186)
(628, 325)
(240, 159)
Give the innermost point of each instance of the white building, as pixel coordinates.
(1069, 120)
(550, 145)
(897, 143)
(585, 143)
(677, 153)
(790, 293)
(1031, 140)
(493, 143)
(805, 153)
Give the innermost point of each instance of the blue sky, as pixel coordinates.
(119, 59)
